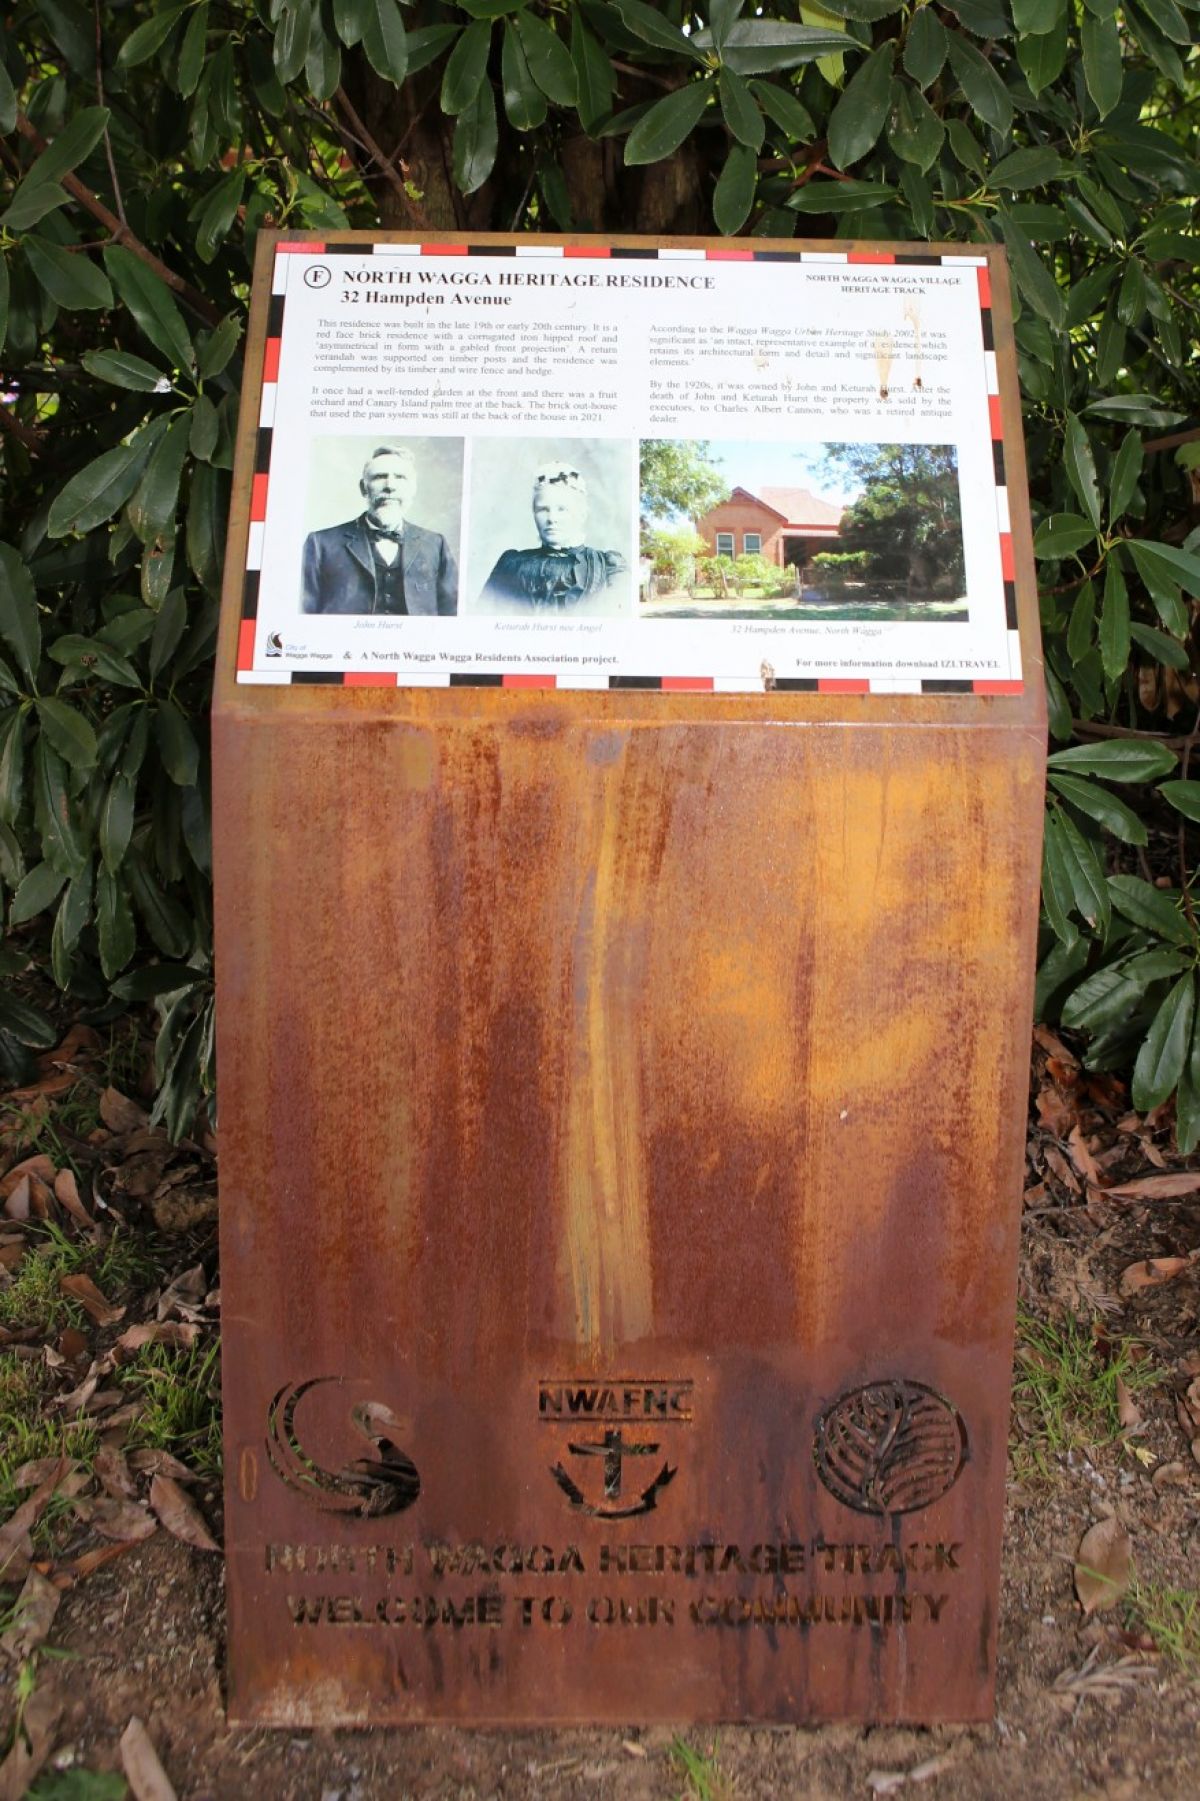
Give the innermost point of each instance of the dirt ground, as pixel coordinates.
(1100, 1705)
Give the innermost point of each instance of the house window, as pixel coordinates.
(752, 543)
(725, 544)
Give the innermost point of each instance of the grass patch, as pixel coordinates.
(699, 1770)
(26, 1433)
(1171, 1617)
(179, 1393)
(34, 1301)
(1065, 1395)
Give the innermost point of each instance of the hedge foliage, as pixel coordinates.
(145, 145)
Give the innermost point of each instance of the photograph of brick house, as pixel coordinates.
(788, 526)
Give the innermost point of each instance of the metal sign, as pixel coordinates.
(622, 1116)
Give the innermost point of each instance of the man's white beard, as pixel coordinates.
(389, 513)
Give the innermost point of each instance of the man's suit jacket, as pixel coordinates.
(339, 570)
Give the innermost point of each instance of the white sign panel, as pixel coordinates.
(541, 466)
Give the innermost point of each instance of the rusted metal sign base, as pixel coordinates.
(621, 1124)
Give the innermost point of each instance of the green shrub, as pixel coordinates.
(138, 174)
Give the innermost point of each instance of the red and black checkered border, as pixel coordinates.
(653, 683)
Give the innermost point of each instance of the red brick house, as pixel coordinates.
(785, 525)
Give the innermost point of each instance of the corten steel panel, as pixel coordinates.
(575, 1049)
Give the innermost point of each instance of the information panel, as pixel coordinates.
(589, 466)
(626, 844)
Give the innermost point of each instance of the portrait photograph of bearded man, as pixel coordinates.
(383, 560)
(571, 553)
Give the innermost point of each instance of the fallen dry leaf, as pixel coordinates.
(1152, 1272)
(1103, 1566)
(123, 1520)
(39, 1166)
(156, 1463)
(1170, 1475)
(115, 1474)
(16, 1548)
(31, 1747)
(119, 1113)
(1128, 1411)
(66, 1193)
(17, 1202)
(184, 1295)
(1053, 1045)
(139, 1759)
(72, 1345)
(84, 1290)
(1083, 1160)
(32, 1618)
(37, 1471)
(169, 1332)
(1061, 1168)
(179, 1514)
(1158, 1188)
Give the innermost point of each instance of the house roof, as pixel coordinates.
(798, 508)
(801, 507)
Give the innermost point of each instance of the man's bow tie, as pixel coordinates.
(396, 534)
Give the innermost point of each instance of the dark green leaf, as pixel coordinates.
(191, 51)
(741, 113)
(1043, 56)
(33, 201)
(647, 23)
(761, 46)
(76, 909)
(206, 526)
(1114, 622)
(148, 37)
(857, 118)
(1061, 535)
(1116, 759)
(916, 133)
(524, 101)
(219, 213)
(8, 102)
(205, 425)
(1162, 648)
(69, 732)
(734, 195)
(980, 83)
(291, 39)
(1083, 615)
(95, 494)
(965, 147)
(12, 763)
(475, 141)
(55, 815)
(39, 889)
(155, 979)
(383, 40)
(72, 281)
(491, 9)
(785, 110)
(668, 123)
(1085, 874)
(165, 920)
(152, 509)
(548, 58)
(1057, 895)
(925, 46)
(1143, 409)
(1081, 469)
(323, 64)
(1100, 805)
(553, 186)
(28, 1025)
(124, 370)
(1161, 1059)
(116, 820)
(151, 303)
(176, 745)
(839, 196)
(1028, 168)
(98, 658)
(114, 924)
(1127, 467)
(1160, 564)
(426, 44)
(466, 67)
(594, 74)
(1102, 69)
(1033, 279)
(1184, 797)
(1150, 908)
(19, 624)
(213, 355)
(1131, 295)
(1108, 996)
